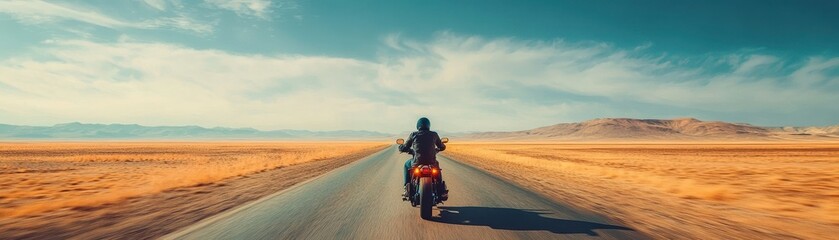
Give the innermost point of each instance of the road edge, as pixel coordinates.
(212, 219)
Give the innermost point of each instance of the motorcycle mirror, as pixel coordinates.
(400, 141)
(445, 140)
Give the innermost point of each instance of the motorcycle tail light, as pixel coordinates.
(426, 171)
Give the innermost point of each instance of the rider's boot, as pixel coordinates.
(405, 192)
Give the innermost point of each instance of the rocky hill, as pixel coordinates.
(657, 129)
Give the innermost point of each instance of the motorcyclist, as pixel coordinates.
(424, 145)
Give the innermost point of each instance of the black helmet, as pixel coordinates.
(423, 123)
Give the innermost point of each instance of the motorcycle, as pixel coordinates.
(424, 189)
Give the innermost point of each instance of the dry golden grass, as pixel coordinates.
(688, 190)
(39, 177)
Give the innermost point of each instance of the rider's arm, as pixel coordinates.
(406, 147)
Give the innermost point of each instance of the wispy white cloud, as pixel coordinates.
(462, 82)
(178, 22)
(598, 70)
(35, 12)
(41, 12)
(257, 8)
(161, 83)
(156, 4)
(754, 62)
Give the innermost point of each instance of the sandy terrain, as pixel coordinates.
(96, 190)
(699, 191)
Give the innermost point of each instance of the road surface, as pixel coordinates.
(362, 201)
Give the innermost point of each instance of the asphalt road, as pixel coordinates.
(362, 201)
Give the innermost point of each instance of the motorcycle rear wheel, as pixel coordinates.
(426, 198)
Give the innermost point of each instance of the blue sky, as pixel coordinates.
(378, 65)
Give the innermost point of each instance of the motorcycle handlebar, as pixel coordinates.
(399, 147)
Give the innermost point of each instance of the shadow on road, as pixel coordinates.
(517, 219)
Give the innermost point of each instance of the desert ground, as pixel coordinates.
(146, 189)
(690, 190)
(95, 190)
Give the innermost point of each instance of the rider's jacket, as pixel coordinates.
(424, 144)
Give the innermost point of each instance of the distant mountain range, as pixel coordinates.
(658, 129)
(603, 129)
(133, 131)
